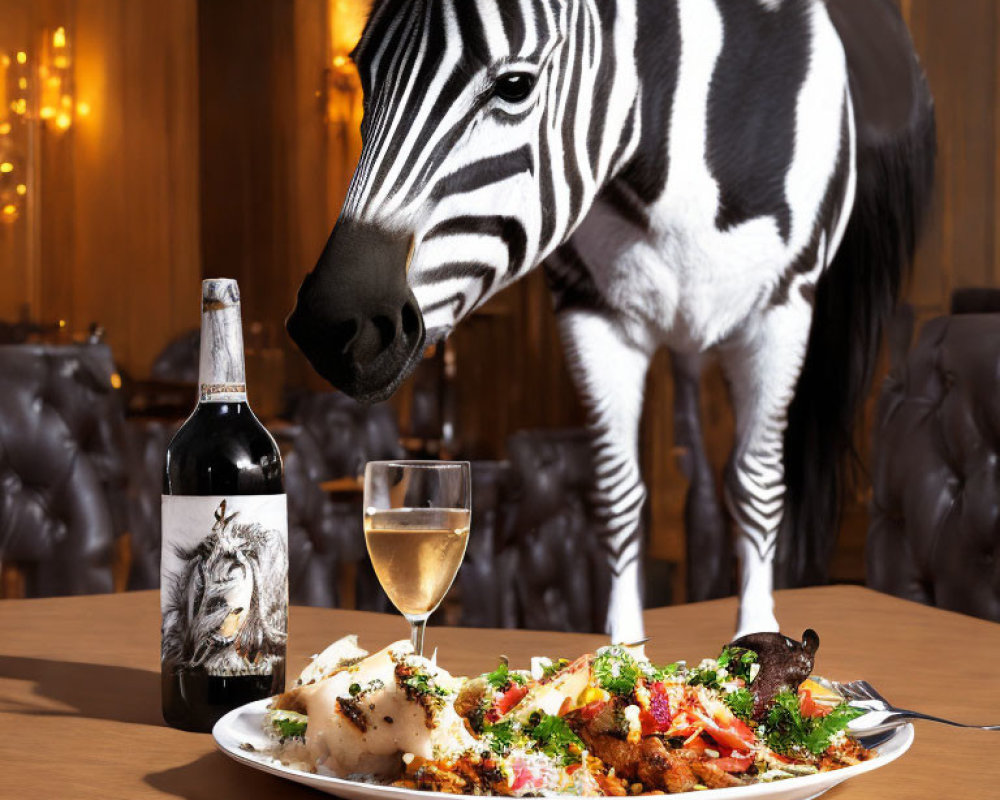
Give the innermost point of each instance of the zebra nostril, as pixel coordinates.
(386, 329)
(376, 335)
(410, 319)
(346, 332)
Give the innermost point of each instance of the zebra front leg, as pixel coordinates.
(762, 363)
(610, 374)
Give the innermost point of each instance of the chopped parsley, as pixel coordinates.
(786, 730)
(501, 678)
(545, 733)
(422, 683)
(554, 738)
(704, 676)
(288, 724)
(354, 689)
(616, 670)
(740, 703)
(657, 674)
(501, 736)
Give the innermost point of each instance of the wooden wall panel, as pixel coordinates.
(117, 205)
(957, 44)
(267, 151)
(15, 279)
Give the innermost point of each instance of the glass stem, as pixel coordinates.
(417, 627)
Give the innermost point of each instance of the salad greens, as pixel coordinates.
(501, 678)
(785, 730)
(546, 732)
(615, 670)
(740, 702)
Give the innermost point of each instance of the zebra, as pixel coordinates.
(745, 176)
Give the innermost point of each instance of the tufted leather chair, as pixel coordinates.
(934, 535)
(147, 450)
(62, 468)
(347, 435)
(488, 575)
(315, 546)
(559, 578)
(178, 361)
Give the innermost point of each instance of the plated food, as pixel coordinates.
(607, 723)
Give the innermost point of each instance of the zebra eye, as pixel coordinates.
(514, 87)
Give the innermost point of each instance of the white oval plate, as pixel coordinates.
(244, 725)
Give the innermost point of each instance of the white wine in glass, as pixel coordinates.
(417, 517)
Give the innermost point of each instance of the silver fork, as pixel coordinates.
(882, 715)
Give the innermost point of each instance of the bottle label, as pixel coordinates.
(224, 583)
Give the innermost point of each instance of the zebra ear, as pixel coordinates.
(220, 512)
(230, 518)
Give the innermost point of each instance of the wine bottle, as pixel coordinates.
(224, 555)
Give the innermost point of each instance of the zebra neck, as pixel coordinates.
(657, 58)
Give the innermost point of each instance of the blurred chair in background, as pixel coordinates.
(178, 361)
(488, 577)
(147, 450)
(62, 467)
(560, 579)
(934, 534)
(348, 435)
(315, 549)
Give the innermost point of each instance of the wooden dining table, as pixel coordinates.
(80, 698)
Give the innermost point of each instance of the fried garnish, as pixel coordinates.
(713, 777)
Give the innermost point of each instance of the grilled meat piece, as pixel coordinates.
(660, 768)
(647, 761)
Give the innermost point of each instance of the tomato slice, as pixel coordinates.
(736, 734)
(511, 698)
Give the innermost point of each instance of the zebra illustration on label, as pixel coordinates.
(225, 606)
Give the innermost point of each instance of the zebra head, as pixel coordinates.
(489, 128)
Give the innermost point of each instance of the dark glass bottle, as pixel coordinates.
(224, 562)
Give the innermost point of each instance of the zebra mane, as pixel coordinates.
(380, 11)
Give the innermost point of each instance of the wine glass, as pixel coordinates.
(417, 516)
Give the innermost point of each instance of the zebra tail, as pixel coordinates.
(858, 292)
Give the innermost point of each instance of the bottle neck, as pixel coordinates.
(221, 371)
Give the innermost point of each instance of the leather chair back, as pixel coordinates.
(560, 580)
(934, 534)
(62, 466)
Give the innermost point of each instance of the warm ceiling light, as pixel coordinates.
(22, 189)
(4, 128)
(83, 108)
(59, 37)
(6, 166)
(10, 210)
(63, 121)
(22, 57)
